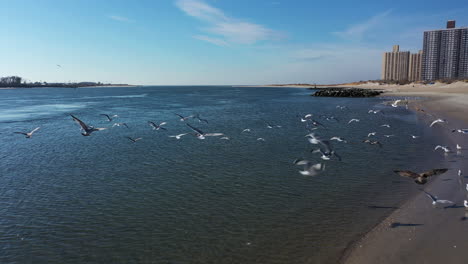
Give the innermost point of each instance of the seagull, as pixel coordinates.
(157, 127)
(341, 107)
(120, 124)
(338, 139)
(308, 116)
(420, 178)
(246, 130)
(87, 130)
(385, 125)
(310, 169)
(134, 139)
(372, 142)
(414, 137)
(201, 135)
(435, 200)
(389, 136)
(271, 126)
(225, 138)
(109, 118)
(353, 120)
(28, 135)
(326, 155)
(459, 147)
(183, 118)
(371, 134)
(260, 139)
(313, 139)
(463, 131)
(437, 121)
(372, 111)
(395, 104)
(444, 148)
(465, 203)
(178, 136)
(197, 116)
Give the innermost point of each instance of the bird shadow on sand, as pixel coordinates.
(381, 207)
(398, 224)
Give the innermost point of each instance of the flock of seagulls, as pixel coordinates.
(323, 147)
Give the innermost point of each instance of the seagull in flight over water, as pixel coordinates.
(385, 125)
(310, 169)
(178, 136)
(437, 121)
(183, 118)
(120, 124)
(444, 148)
(201, 135)
(28, 135)
(353, 120)
(109, 118)
(371, 134)
(87, 130)
(197, 116)
(420, 178)
(134, 139)
(157, 127)
(395, 104)
(435, 200)
(463, 131)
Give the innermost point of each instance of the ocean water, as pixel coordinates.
(65, 198)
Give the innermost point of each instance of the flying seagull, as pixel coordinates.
(178, 136)
(338, 139)
(310, 169)
(395, 104)
(134, 139)
(120, 124)
(327, 155)
(414, 137)
(465, 203)
(420, 178)
(157, 127)
(28, 135)
(183, 118)
(353, 120)
(372, 111)
(87, 130)
(246, 130)
(271, 125)
(225, 138)
(197, 116)
(201, 135)
(437, 121)
(459, 147)
(371, 134)
(385, 125)
(372, 142)
(109, 118)
(260, 139)
(444, 148)
(463, 131)
(387, 136)
(435, 200)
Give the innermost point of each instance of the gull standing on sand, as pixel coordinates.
(157, 127)
(353, 120)
(29, 134)
(201, 135)
(178, 136)
(87, 130)
(420, 178)
(437, 121)
(436, 200)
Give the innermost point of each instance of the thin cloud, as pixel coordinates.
(357, 31)
(225, 28)
(216, 41)
(120, 18)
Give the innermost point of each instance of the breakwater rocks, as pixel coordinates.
(346, 92)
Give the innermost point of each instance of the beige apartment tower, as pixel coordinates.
(415, 65)
(397, 65)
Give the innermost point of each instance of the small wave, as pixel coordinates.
(115, 96)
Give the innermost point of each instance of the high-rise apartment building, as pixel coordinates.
(445, 53)
(401, 65)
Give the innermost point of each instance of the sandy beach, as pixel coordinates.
(417, 232)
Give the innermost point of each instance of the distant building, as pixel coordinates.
(414, 68)
(401, 65)
(445, 53)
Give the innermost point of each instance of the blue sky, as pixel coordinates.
(212, 41)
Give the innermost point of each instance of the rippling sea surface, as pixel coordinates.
(65, 198)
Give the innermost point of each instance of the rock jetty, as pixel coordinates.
(346, 92)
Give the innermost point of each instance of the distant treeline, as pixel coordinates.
(16, 81)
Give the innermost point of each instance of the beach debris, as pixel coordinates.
(156, 126)
(108, 117)
(86, 130)
(436, 200)
(353, 120)
(420, 178)
(28, 134)
(437, 121)
(134, 139)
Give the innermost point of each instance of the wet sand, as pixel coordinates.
(418, 232)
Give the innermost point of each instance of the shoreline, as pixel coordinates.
(428, 235)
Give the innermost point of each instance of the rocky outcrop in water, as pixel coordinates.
(346, 92)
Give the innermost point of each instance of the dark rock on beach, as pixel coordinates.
(346, 92)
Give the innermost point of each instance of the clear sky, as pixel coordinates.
(212, 41)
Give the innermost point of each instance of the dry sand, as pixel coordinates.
(426, 234)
